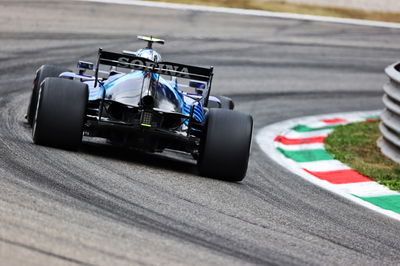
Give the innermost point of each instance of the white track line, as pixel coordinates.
(265, 139)
(250, 12)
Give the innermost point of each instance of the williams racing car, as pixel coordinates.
(137, 100)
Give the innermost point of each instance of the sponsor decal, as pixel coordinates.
(161, 68)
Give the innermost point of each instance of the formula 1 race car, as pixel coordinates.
(133, 99)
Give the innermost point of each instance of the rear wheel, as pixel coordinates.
(43, 72)
(60, 113)
(225, 148)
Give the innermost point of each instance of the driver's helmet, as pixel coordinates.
(149, 54)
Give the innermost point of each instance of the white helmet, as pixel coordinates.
(149, 54)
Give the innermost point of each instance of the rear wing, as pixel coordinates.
(163, 68)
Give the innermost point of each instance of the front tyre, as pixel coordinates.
(225, 148)
(224, 103)
(60, 113)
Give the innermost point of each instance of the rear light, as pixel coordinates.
(146, 119)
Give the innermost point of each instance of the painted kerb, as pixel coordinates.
(298, 145)
(390, 125)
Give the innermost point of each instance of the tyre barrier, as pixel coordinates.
(389, 142)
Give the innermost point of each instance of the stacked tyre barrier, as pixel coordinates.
(389, 143)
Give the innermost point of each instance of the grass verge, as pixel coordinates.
(355, 145)
(280, 6)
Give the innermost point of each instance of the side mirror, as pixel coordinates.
(198, 86)
(83, 66)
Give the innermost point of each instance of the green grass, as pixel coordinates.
(355, 145)
(281, 6)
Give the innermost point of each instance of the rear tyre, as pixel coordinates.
(60, 113)
(43, 72)
(225, 148)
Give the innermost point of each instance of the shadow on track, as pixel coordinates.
(168, 160)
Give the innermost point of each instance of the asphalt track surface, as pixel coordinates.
(104, 206)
